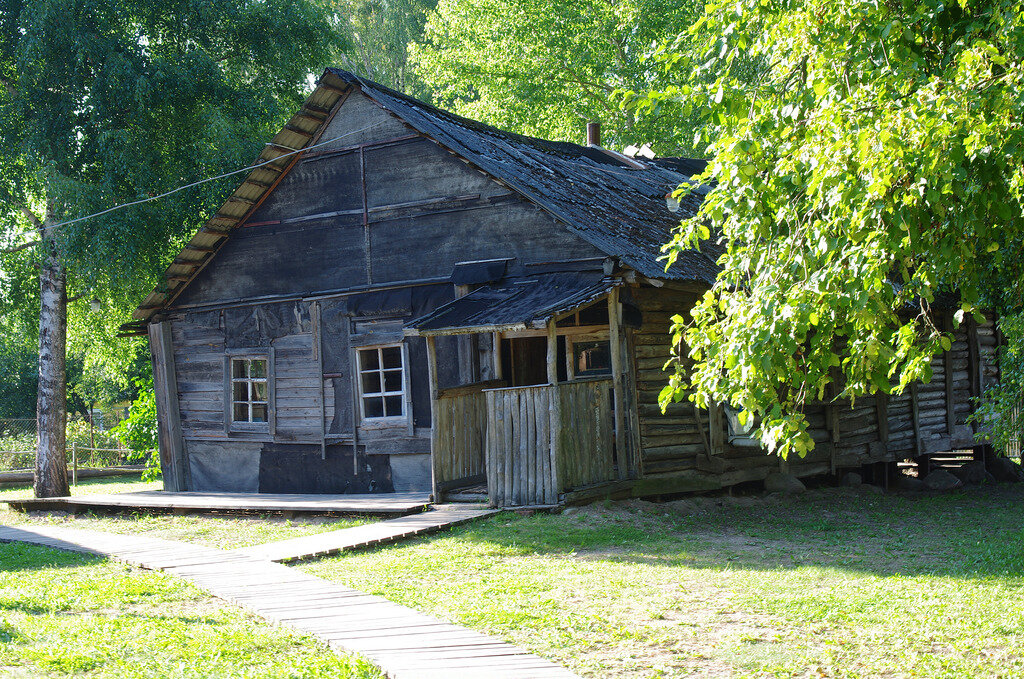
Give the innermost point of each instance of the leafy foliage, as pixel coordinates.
(873, 165)
(378, 34)
(106, 102)
(546, 68)
(138, 431)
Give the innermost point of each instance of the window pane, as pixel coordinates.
(393, 406)
(392, 357)
(368, 359)
(392, 380)
(241, 412)
(373, 407)
(371, 383)
(240, 391)
(259, 391)
(258, 369)
(239, 368)
(259, 412)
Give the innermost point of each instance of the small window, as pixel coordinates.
(382, 382)
(591, 358)
(250, 400)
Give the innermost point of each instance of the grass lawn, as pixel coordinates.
(837, 582)
(226, 532)
(65, 615)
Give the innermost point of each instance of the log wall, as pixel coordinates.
(684, 449)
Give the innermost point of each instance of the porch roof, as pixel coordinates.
(514, 304)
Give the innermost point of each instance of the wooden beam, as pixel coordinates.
(552, 355)
(554, 409)
(915, 414)
(496, 354)
(298, 130)
(318, 356)
(171, 442)
(947, 367)
(434, 431)
(615, 347)
(882, 413)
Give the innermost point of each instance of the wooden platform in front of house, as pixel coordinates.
(440, 517)
(158, 501)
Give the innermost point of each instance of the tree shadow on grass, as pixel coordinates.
(19, 556)
(974, 532)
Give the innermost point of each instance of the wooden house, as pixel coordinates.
(416, 301)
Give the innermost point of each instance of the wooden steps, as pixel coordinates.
(438, 518)
(406, 644)
(377, 504)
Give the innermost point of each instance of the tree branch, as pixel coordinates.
(19, 248)
(31, 217)
(9, 86)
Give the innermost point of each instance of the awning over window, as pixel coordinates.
(515, 304)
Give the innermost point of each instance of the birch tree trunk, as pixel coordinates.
(51, 478)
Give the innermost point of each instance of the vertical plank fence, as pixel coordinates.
(521, 467)
(459, 436)
(586, 451)
(546, 439)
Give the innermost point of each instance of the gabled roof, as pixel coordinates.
(615, 203)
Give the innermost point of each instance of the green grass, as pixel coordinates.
(833, 583)
(70, 615)
(226, 532)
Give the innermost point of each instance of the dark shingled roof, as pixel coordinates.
(605, 198)
(515, 304)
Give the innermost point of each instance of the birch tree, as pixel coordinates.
(107, 101)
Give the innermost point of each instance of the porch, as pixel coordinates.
(552, 416)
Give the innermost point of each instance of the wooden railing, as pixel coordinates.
(459, 433)
(545, 439)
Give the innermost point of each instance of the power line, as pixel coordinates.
(250, 168)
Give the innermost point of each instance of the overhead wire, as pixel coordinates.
(50, 228)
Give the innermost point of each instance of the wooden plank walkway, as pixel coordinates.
(375, 504)
(404, 643)
(438, 518)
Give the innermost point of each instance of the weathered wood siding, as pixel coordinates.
(395, 211)
(925, 419)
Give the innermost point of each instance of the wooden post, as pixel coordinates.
(615, 346)
(496, 354)
(552, 356)
(434, 431)
(172, 445)
(947, 366)
(318, 354)
(916, 417)
(882, 413)
(554, 408)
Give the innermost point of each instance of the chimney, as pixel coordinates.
(593, 134)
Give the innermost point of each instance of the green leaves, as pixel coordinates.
(872, 168)
(545, 68)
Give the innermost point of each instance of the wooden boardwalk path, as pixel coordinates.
(376, 504)
(438, 518)
(404, 643)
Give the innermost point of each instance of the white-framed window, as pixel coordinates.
(382, 383)
(249, 391)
